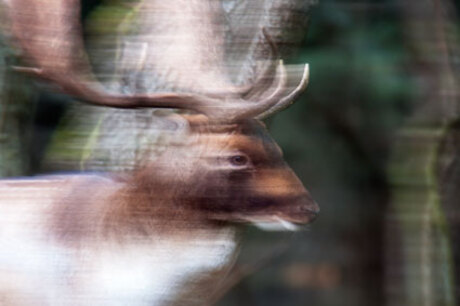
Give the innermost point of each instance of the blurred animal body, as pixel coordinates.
(165, 233)
(158, 236)
(45, 260)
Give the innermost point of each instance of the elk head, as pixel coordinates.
(232, 171)
(252, 182)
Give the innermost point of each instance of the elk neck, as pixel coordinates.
(163, 198)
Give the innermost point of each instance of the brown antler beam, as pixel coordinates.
(49, 34)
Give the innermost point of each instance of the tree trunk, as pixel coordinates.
(424, 168)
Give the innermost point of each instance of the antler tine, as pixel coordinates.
(263, 105)
(236, 109)
(252, 108)
(289, 99)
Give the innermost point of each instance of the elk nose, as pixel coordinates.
(312, 211)
(309, 208)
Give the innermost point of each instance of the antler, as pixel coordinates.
(49, 34)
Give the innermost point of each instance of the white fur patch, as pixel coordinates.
(35, 269)
(277, 224)
(109, 275)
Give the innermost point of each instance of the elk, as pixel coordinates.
(165, 233)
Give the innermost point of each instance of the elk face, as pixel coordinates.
(242, 177)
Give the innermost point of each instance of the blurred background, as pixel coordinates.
(375, 138)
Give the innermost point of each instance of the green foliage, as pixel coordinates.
(359, 93)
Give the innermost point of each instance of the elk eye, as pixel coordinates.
(239, 160)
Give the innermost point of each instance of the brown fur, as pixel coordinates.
(174, 195)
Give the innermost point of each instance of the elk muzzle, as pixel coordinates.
(278, 197)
